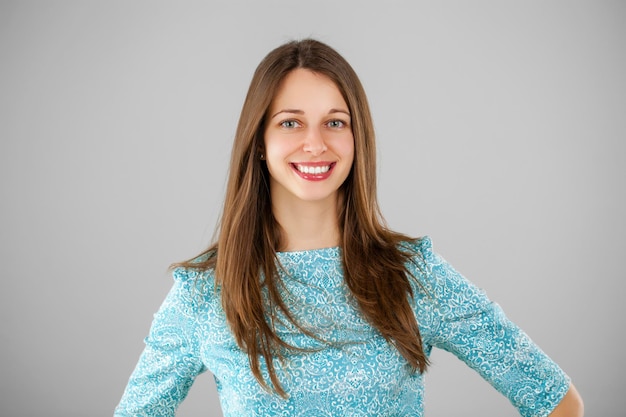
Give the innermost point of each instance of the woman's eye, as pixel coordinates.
(289, 124)
(336, 124)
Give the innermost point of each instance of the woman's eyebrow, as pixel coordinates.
(339, 111)
(294, 111)
(297, 111)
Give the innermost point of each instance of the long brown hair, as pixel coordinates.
(244, 256)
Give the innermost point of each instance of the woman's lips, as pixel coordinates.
(313, 171)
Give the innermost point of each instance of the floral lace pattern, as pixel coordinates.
(350, 370)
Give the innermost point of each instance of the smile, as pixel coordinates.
(306, 169)
(314, 172)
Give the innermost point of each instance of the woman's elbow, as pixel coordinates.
(570, 406)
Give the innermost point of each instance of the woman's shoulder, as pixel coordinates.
(433, 271)
(187, 274)
(419, 249)
(439, 279)
(201, 265)
(195, 275)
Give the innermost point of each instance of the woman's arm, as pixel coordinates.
(170, 361)
(570, 406)
(478, 332)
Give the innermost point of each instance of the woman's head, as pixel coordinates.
(308, 143)
(249, 175)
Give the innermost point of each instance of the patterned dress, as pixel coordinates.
(352, 370)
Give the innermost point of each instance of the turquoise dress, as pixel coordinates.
(353, 371)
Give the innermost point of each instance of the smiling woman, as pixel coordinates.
(307, 304)
(309, 149)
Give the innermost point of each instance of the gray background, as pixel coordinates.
(501, 131)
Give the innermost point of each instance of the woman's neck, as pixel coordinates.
(307, 225)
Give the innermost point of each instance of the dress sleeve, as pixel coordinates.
(170, 361)
(465, 322)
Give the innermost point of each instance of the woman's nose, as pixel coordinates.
(314, 142)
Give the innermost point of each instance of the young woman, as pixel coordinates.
(307, 305)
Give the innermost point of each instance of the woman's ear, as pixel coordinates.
(261, 152)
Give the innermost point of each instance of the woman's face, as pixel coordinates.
(309, 147)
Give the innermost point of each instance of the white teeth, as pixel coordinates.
(312, 170)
